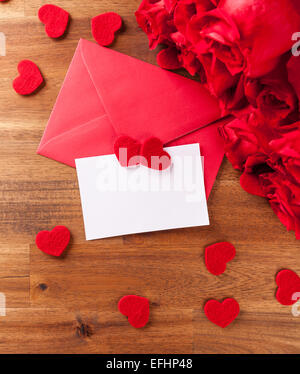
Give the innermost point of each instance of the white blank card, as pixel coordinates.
(120, 201)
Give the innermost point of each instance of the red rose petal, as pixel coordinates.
(217, 255)
(104, 27)
(222, 314)
(167, 59)
(30, 78)
(288, 291)
(136, 308)
(250, 183)
(53, 242)
(55, 19)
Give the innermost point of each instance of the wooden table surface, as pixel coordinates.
(69, 305)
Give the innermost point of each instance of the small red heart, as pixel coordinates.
(217, 255)
(222, 314)
(55, 20)
(104, 27)
(53, 242)
(30, 78)
(127, 151)
(136, 308)
(288, 291)
(168, 59)
(154, 156)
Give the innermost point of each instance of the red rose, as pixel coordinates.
(240, 143)
(293, 68)
(266, 28)
(255, 166)
(214, 38)
(284, 198)
(183, 12)
(285, 153)
(268, 177)
(186, 9)
(170, 5)
(282, 188)
(153, 17)
(272, 98)
(191, 63)
(214, 32)
(283, 193)
(186, 57)
(276, 176)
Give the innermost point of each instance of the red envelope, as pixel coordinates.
(106, 94)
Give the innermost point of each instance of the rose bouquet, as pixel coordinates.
(242, 51)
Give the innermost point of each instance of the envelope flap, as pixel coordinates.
(143, 100)
(77, 103)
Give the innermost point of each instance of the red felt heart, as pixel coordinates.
(53, 242)
(150, 154)
(127, 151)
(217, 255)
(154, 156)
(55, 19)
(167, 59)
(136, 308)
(222, 314)
(30, 78)
(104, 27)
(288, 291)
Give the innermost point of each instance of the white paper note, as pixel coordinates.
(120, 201)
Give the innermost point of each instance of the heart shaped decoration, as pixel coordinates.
(127, 151)
(30, 78)
(55, 20)
(105, 26)
(154, 156)
(288, 291)
(136, 308)
(151, 154)
(222, 314)
(217, 255)
(53, 242)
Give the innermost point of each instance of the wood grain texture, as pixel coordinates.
(69, 305)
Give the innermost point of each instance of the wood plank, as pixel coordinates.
(62, 331)
(98, 274)
(260, 329)
(12, 9)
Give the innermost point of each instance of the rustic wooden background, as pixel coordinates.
(69, 305)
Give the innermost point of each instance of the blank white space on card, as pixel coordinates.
(119, 201)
